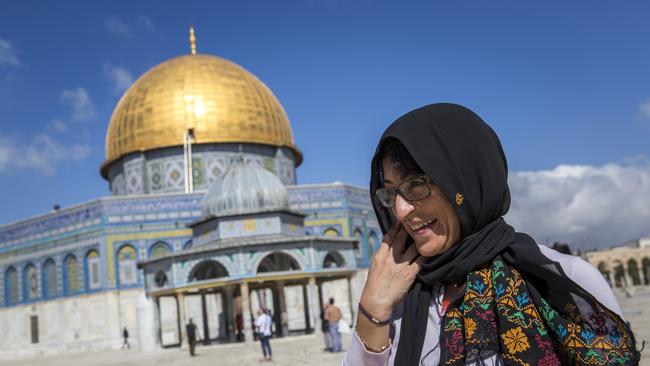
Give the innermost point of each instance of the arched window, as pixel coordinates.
(207, 270)
(70, 275)
(330, 231)
(160, 249)
(49, 279)
(187, 245)
(93, 276)
(373, 242)
(160, 278)
(126, 259)
(30, 282)
(359, 238)
(277, 262)
(333, 260)
(12, 295)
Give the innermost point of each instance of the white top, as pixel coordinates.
(263, 324)
(577, 269)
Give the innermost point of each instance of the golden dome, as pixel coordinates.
(218, 99)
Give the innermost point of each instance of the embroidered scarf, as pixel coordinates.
(499, 314)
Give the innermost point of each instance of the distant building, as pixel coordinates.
(73, 278)
(624, 266)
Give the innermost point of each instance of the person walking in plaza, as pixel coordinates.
(125, 335)
(190, 331)
(263, 324)
(333, 315)
(325, 328)
(452, 282)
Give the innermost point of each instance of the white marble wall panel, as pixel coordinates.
(338, 289)
(293, 300)
(215, 310)
(84, 323)
(168, 320)
(194, 311)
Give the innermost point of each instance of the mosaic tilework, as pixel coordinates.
(156, 176)
(118, 185)
(216, 165)
(78, 228)
(133, 173)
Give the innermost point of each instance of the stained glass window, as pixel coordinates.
(159, 250)
(71, 275)
(30, 282)
(12, 294)
(49, 278)
(331, 232)
(92, 270)
(126, 259)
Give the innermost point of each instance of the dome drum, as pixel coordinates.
(161, 170)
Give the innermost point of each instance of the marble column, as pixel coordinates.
(628, 280)
(246, 313)
(181, 318)
(350, 300)
(283, 316)
(229, 309)
(641, 278)
(314, 303)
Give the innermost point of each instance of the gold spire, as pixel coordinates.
(192, 40)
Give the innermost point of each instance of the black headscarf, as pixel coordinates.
(464, 158)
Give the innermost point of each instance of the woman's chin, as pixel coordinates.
(430, 248)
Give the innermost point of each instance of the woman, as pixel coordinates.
(452, 282)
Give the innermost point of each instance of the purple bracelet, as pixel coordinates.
(372, 318)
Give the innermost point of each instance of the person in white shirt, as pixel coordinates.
(263, 324)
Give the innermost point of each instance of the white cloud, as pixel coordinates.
(146, 22)
(116, 26)
(8, 55)
(120, 77)
(588, 206)
(79, 100)
(42, 154)
(644, 109)
(58, 125)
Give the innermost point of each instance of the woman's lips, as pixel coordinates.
(421, 229)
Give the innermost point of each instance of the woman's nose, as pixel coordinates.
(402, 207)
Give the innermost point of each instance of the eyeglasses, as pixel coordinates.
(412, 190)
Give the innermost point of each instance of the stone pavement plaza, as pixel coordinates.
(298, 350)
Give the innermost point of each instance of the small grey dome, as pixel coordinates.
(245, 189)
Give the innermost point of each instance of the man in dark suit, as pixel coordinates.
(190, 330)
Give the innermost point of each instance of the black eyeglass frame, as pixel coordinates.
(398, 190)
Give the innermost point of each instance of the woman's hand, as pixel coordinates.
(392, 271)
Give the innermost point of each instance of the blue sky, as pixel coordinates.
(565, 85)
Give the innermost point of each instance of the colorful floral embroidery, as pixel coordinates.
(515, 340)
(498, 315)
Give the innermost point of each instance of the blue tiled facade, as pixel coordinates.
(107, 225)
